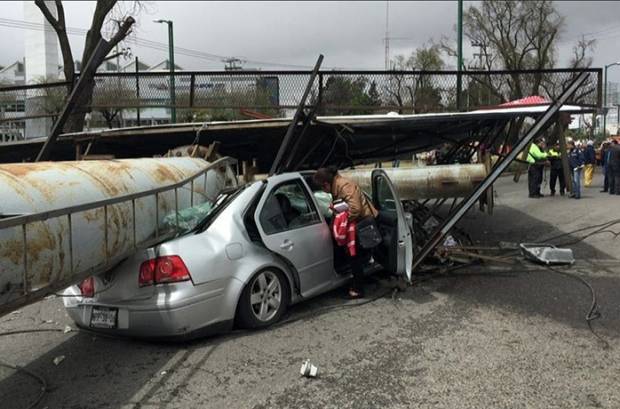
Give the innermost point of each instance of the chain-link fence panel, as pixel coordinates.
(30, 110)
(148, 98)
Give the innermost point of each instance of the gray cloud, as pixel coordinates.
(349, 34)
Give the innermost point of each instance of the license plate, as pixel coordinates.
(103, 317)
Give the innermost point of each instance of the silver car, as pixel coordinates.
(261, 248)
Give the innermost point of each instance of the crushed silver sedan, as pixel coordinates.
(259, 249)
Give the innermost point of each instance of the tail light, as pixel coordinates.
(164, 269)
(87, 287)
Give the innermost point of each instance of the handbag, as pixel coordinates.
(368, 235)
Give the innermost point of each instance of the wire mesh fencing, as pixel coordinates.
(147, 98)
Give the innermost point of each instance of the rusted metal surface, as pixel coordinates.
(426, 182)
(36, 253)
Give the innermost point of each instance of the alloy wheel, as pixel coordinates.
(266, 296)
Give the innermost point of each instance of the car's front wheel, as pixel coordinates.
(263, 300)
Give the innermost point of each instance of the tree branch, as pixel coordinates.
(58, 24)
(47, 13)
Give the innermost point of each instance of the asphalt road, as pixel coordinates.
(493, 336)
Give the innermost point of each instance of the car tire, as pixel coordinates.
(263, 300)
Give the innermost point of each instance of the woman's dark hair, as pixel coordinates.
(325, 175)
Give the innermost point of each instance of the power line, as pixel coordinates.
(608, 30)
(155, 45)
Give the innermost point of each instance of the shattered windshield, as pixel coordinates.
(198, 216)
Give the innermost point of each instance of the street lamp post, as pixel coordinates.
(459, 57)
(605, 97)
(618, 119)
(173, 109)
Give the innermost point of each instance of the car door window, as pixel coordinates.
(288, 207)
(385, 199)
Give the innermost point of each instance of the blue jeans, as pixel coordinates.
(577, 182)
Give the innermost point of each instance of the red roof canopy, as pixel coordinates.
(531, 100)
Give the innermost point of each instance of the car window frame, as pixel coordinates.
(300, 182)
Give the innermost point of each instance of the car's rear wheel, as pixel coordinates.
(263, 300)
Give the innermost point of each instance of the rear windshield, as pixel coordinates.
(198, 217)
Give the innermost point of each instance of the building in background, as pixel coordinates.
(41, 56)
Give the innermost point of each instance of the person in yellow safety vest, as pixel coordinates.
(590, 157)
(556, 173)
(536, 159)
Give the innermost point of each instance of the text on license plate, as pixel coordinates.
(103, 317)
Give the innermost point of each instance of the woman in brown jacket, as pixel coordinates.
(359, 208)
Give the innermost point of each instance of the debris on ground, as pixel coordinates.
(67, 329)
(58, 359)
(450, 241)
(547, 254)
(308, 370)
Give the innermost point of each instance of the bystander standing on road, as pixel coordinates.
(590, 160)
(576, 162)
(605, 152)
(614, 168)
(556, 173)
(536, 159)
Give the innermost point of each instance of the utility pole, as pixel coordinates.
(479, 54)
(138, 91)
(118, 71)
(387, 35)
(173, 108)
(232, 64)
(459, 52)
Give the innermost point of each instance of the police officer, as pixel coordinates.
(556, 173)
(536, 159)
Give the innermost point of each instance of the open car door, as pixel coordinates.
(395, 253)
(290, 225)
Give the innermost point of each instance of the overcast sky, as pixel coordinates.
(349, 34)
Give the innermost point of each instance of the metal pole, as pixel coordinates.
(173, 110)
(459, 78)
(138, 91)
(568, 181)
(604, 103)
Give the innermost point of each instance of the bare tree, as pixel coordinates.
(102, 15)
(112, 99)
(415, 90)
(51, 100)
(515, 36)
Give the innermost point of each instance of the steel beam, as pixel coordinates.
(288, 137)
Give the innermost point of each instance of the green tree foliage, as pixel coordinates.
(349, 96)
